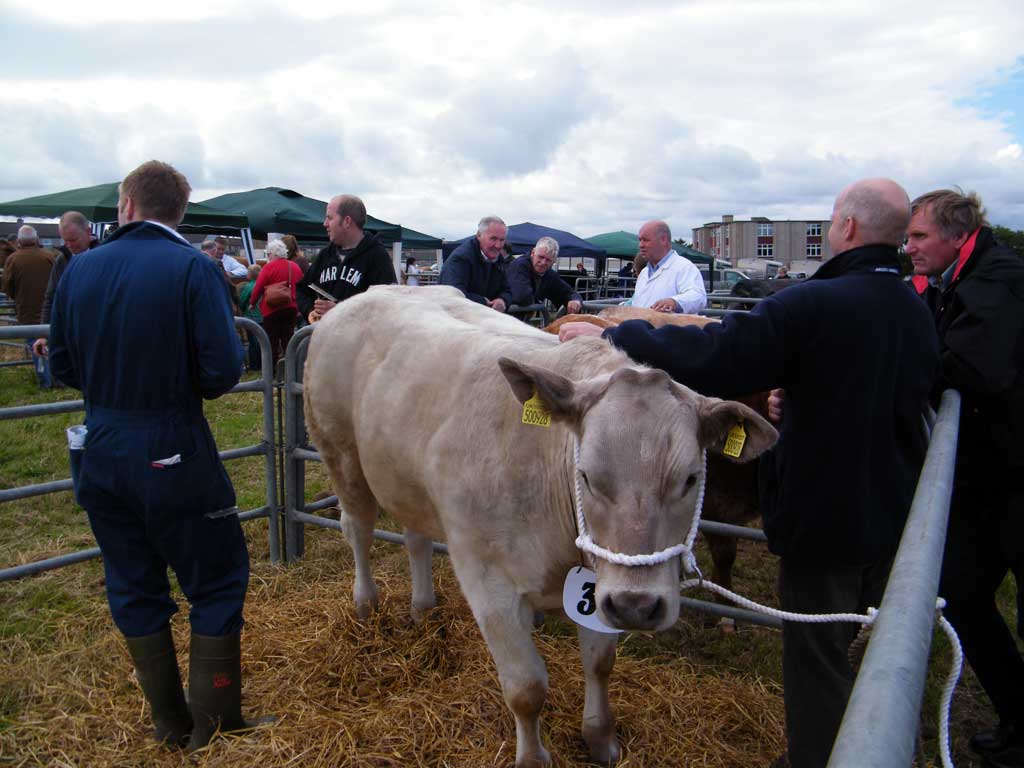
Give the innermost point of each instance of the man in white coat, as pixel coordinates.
(668, 283)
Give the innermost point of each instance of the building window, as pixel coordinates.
(814, 230)
(765, 250)
(814, 250)
(766, 230)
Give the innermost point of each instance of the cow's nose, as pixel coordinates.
(634, 610)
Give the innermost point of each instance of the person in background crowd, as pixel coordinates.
(77, 236)
(473, 266)
(294, 254)
(7, 247)
(251, 311)
(26, 275)
(235, 269)
(581, 270)
(666, 282)
(209, 247)
(782, 272)
(852, 345)
(411, 273)
(352, 262)
(143, 327)
(532, 280)
(278, 320)
(977, 292)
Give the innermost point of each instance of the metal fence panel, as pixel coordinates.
(267, 448)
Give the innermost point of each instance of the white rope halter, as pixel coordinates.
(587, 544)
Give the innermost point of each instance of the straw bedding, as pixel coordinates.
(378, 693)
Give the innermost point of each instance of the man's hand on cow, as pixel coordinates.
(574, 307)
(572, 330)
(664, 305)
(776, 398)
(313, 317)
(323, 306)
(498, 304)
(39, 348)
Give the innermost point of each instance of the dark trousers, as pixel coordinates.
(255, 357)
(817, 676)
(280, 327)
(985, 541)
(148, 485)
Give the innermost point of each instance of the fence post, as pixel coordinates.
(294, 431)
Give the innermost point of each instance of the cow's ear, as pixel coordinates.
(557, 393)
(719, 417)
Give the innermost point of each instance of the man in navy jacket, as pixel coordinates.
(144, 328)
(856, 353)
(473, 267)
(532, 280)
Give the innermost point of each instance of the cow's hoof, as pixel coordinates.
(540, 759)
(365, 605)
(419, 612)
(604, 748)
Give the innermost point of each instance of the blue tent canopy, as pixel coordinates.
(522, 237)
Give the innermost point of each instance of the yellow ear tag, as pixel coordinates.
(535, 414)
(734, 442)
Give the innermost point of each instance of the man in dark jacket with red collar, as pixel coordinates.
(474, 267)
(348, 266)
(144, 328)
(977, 291)
(856, 353)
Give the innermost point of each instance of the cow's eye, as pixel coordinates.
(690, 482)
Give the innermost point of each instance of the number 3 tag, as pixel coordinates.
(579, 600)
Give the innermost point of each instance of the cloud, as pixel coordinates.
(589, 116)
(504, 126)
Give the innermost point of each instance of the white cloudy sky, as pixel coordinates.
(587, 115)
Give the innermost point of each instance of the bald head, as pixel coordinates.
(74, 231)
(869, 212)
(655, 241)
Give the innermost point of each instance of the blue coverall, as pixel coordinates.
(143, 326)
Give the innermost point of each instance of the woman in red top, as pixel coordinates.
(278, 321)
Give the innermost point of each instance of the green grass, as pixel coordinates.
(32, 609)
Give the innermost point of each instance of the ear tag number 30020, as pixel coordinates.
(579, 600)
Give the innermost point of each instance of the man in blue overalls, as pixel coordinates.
(143, 326)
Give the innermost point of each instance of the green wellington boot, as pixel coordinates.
(215, 688)
(156, 666)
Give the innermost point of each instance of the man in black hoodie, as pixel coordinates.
(977, 292)
(351, 263)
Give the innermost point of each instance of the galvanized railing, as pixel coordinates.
(266, 448)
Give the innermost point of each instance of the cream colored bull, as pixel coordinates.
(414, 398)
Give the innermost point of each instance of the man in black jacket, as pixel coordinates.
(532, 280)
(856, 352)
(349, 265)
(977, 291)
(474, 267)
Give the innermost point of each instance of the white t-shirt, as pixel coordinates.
(412, 275)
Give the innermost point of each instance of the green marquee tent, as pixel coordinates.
(273, 209)
(621, 245)
(99, 205)
(625, 245)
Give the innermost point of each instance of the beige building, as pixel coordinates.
(748, 245)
